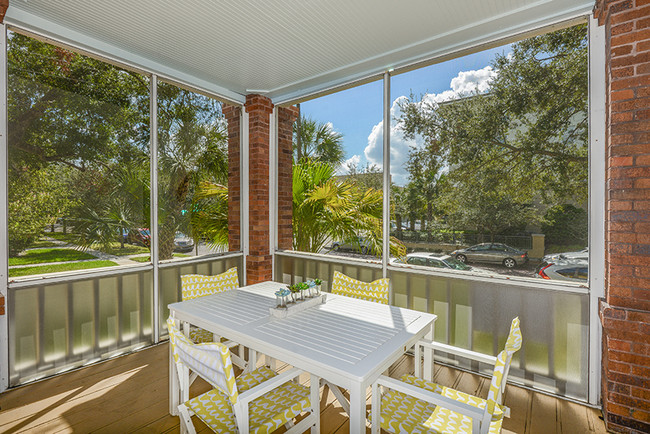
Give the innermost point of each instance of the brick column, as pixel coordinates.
(625, 313)
(286, 117)
(233, 116)
(258, 262)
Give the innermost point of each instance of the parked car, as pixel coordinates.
(436, 260)
(183, 243)
(574, 270)
(492, 252)
(139, 236)
(580, 255)
(358, 245)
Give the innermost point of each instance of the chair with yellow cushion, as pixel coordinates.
(199, 285)
(415, 405)
(259, 401)
(377, 291)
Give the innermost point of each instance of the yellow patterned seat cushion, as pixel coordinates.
(266, 414)
(402, 413)
(376, 291)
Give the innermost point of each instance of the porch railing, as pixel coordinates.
(475, 313)
(62, 322)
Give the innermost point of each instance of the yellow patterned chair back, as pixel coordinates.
(211, 361)
(376, 291)
(502, 366)
(198, 285)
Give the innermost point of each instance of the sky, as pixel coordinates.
(357, 113)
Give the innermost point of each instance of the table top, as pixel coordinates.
(343, 340)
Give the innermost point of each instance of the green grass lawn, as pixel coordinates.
(43, 269)
(39, 256)
(129, 249)
(148, 258)
(43, 243)
(61, 236)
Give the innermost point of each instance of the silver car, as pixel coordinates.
(580, 255)
(492, 252)
(573, 270)
(436, 260)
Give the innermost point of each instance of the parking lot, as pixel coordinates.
(526, 270)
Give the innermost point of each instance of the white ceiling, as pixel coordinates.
(285, 49)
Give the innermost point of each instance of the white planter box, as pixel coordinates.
(283, 312)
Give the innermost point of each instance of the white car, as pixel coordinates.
(435, 260)
(582, 255)
(573, 270)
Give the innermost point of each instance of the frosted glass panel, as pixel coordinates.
(477, 315)
(56, 327)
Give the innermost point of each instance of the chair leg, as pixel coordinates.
(185, 420)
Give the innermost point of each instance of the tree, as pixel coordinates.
(424, 167)
(317, 141)
(565, 224)
(532, 123)
(193, 149)
(36, 198)
(326, 209)
(366, 177)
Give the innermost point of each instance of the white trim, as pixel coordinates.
(170, 263)
(386, 187)
(597, 155)
(47, 29)
(273, 187)
(244, 192)
(4, 205)
(153, 197)
(327, 258)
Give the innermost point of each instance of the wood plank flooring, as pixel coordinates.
(129, 394)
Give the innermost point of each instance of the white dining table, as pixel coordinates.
(346, 341)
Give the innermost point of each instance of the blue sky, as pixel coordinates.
(357, 112)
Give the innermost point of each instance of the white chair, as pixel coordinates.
(259, 401)
(415, 405)
(199, 285)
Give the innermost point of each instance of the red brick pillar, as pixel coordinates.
(625, 314)
(258, 261)
(233, 116)
(286, 118)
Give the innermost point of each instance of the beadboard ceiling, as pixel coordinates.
(285, 49)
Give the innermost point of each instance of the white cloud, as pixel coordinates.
(354, 160)
(465, 83)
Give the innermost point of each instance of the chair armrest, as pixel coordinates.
(268, 385)
(434, 398)
(472, 355)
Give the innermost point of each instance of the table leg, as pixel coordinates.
(174, 389)
(428, 357)
(357, 409)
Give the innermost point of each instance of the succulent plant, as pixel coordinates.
(318, 281)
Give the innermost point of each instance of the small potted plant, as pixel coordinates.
(295, 292)
(303, 287)
(281, 297)
(317, 286)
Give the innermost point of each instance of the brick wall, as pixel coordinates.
(625, 313)
(286, 118)
(233, 116)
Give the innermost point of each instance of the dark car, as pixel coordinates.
(139, 236)
(492, 252)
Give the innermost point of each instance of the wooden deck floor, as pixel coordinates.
(130, 394)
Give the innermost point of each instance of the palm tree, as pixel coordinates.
(317, 141)
(326, 209)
